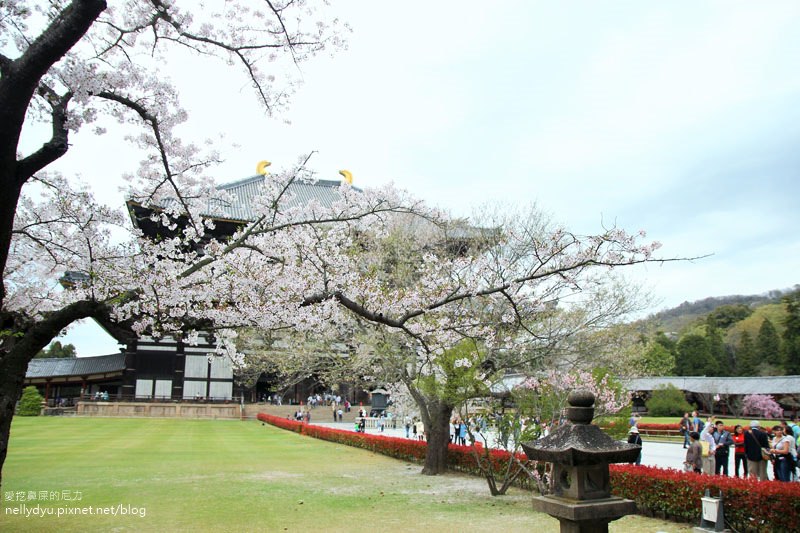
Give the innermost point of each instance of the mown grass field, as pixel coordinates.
(728, 421)
(198, 475)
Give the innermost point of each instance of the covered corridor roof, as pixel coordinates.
(78, 367)
(720, 385)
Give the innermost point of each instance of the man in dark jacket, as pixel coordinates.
(754, 441)
(723, 441)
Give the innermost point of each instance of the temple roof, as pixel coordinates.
(78, 366)
(719, 385)
(696, 384)
(240, 209)
(243, 191)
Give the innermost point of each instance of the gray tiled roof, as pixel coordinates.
(720, 385)
(701, 385)
(243, 191)
(79, 366)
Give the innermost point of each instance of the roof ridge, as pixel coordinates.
(239, 182)
(42, 359)
(260, 177)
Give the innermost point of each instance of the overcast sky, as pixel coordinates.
(678, 118)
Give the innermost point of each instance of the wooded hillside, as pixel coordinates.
(755, 335)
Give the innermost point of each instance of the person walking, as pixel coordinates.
(697, 423)
(635, 438)
(686, 428)
(738, 451)
(420, 427)
(754, 441)
(462, 433)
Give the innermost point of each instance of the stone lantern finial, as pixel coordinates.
(581, 406)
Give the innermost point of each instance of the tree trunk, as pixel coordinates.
(8, 206)
(21, 338)
(438, 429)
(13, 366)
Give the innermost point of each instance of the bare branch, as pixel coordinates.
(22, 77)
(58, 144)
(154, 125)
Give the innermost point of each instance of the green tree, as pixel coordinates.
(31, 402)
(768, 344)
(657, 361)
(725, 316)
(662, 339)
(667, 401)
(721, 365)
(57, 350)
(694, 357)
(791, 335)
(746, 363)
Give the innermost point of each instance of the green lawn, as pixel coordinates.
(729, 421)
(198, 475)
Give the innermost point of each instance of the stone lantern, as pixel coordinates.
(580, 452)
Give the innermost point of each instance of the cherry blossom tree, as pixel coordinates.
(518, 296)
(309, 267)
(67, 65)
(761, 405)
(538, 400)
(545, 397)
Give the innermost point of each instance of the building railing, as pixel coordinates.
(157, 399)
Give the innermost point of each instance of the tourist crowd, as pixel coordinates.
(708, 446)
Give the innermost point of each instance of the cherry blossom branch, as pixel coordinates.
(22, 76)
(155, 127)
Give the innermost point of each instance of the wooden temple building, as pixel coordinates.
(167, 369)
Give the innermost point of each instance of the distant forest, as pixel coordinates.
(707, 305)
(756, 335)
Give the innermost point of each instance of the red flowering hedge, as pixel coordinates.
(459, 458)
(644, 425)
(406, 449)
(749, 505)
(283, 423)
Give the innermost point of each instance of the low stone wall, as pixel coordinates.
(320, 413)
(160, 410)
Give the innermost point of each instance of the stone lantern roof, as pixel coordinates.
(579, 443)
(580, 453)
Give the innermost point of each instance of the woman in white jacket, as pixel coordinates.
(707, 435)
